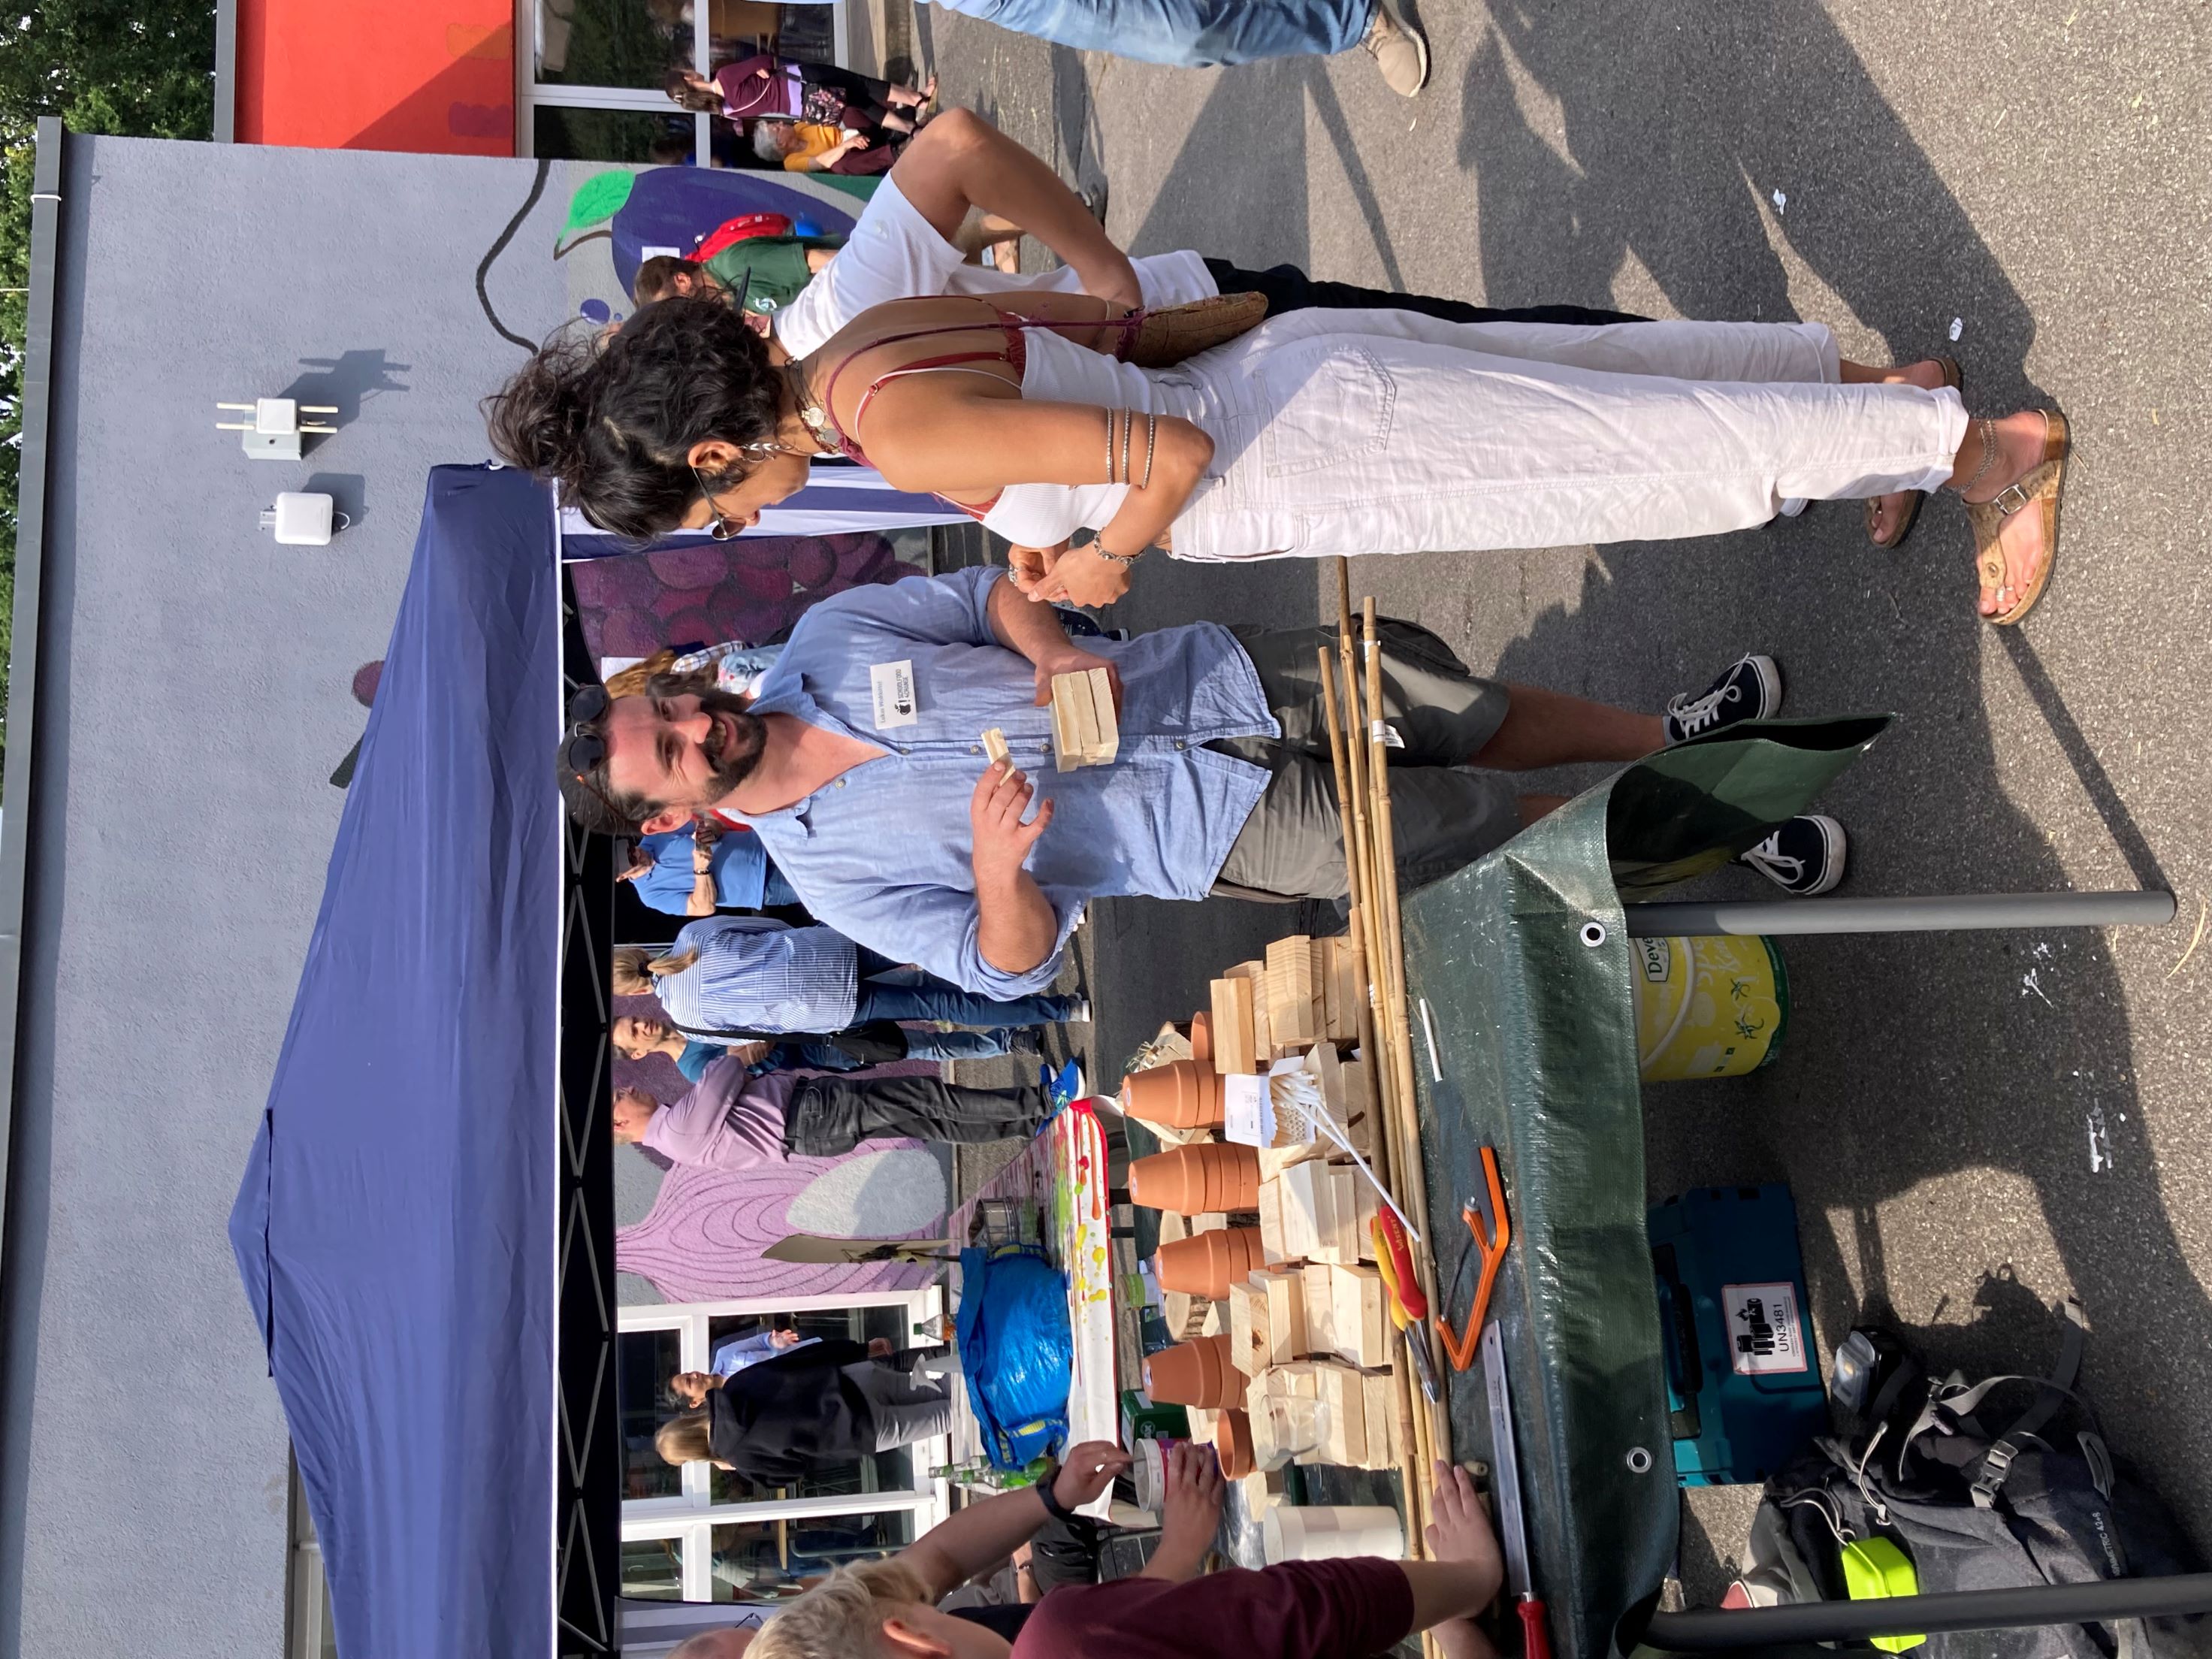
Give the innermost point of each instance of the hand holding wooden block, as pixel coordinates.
(1085, 731)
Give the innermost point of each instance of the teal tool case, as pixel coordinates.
(1744, 1386)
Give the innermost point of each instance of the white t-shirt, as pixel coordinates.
(895, 253)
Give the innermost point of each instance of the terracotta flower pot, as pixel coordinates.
(1232, 1445)
(1201, 1035)
(1209, 1264)
(1197, 1180)
(1194, 1374)
(1184, 1094)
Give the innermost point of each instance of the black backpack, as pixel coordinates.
(1992, 1485)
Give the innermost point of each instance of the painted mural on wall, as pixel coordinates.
(703, 1239)
(697, 593)
(619, 217)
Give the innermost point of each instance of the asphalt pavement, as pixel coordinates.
(2027, 186)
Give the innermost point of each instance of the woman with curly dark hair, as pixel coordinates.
(1317, 432)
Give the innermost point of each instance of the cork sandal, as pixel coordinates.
(1914, 499)
(2038, 490)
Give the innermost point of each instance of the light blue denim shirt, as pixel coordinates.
(755, 974)
(882, 853)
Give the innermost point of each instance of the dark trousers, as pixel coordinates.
(1289, 289)
(830, 1115)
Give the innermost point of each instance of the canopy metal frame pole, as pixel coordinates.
(1901, 915)
(1715, 1629)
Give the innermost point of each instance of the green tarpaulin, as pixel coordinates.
(1520, 966)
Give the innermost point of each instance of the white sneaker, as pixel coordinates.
(1399, 50)
(1080, 1013)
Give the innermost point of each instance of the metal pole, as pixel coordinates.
(1711, 1629)
(1903, 916)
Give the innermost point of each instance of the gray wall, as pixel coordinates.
(196, 699)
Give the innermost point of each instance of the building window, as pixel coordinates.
(703, 1534)
(308, 1592)
(591, 80)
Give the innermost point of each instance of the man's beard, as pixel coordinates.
(747, 741)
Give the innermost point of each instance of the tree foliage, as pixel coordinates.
(142, 68)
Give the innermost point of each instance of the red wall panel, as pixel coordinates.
(434, 76)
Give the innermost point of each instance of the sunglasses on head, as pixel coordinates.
(583, 751)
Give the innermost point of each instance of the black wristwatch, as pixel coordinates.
(1046, 1495)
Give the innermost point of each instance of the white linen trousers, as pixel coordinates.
(1390, 431)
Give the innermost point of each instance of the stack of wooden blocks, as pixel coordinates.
(1303, 994)
(1316, 1322)
(1086, 730)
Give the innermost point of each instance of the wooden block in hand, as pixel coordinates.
(1106, 744)
(1073, 730)
(1362, 1330)
(994, 746)
(1235, 1046)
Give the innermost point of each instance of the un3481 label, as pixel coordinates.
(1767, 1329)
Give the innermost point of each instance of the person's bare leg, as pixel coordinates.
(1981, 473)
(980, 230)
(1462, 1575)
(1549, 728)
(1889, 510)
(1533, 807)
(891, 123)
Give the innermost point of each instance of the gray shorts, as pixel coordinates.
(1445, 814)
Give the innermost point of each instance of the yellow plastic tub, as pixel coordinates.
(1708, 1007)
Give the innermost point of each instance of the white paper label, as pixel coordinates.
(1247, 1115)
(1766, 1333)
(893, 684)
(1386, 734)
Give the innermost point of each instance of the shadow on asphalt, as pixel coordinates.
(1920, 1070)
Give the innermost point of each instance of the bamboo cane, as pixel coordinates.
(1390, 1076)
(1401, 1043)
(1381, 1152)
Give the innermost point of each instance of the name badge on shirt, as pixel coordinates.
(893, 684)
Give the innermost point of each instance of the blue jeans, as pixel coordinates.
(1186, 33)
(923, 996)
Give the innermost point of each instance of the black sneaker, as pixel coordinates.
(1749, 689)
(1806, 856)
(1025, 1039)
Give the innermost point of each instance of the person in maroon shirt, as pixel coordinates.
(1339, 1609)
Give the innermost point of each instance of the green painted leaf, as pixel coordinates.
(600, 196)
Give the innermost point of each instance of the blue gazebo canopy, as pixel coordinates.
(395, 1228)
